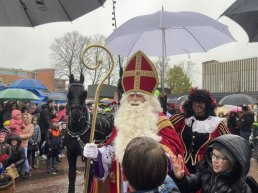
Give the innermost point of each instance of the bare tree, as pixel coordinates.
(95, 55)
(189, 68)
(66, 52)
(158, 64)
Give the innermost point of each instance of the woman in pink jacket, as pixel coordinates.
(27, 132)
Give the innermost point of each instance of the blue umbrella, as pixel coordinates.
(42, 95)
(30, 84)
(2, 86)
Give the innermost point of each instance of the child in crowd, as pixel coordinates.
(26, 134)
(5, 149)
(223, 169)
(53, 142)
(145, 166)
(33, 145)
(63, 131)
(16, 123)
(18, 155)
(6, 128)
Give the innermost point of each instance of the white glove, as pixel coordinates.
(90, 150)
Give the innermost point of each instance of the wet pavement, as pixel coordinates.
(42, 182)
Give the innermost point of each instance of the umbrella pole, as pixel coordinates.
(163, 60)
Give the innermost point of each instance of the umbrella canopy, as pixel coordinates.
(237, 100)
(168, 33)
(107, 102)
(30, 84)
(2, 86)
(17, 94)
(245, 13)
(56, 96)
(235, 109)
(182, 99)
(227, 109)
(40, 93)
(30, 13)
(61, 114)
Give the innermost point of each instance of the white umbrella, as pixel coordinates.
(168, 33)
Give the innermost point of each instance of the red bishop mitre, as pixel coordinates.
(140, 75)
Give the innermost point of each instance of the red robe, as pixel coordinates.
(170, 142)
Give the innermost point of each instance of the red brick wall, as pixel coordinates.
(47, 77)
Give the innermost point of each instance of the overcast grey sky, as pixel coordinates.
(28, 48)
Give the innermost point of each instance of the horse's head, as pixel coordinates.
(76, 99)
(79, 121)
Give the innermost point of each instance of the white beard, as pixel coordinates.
(135, 121)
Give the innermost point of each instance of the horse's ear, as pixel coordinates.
(71, 78)
(81, 78)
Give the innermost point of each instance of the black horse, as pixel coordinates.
(79, 126)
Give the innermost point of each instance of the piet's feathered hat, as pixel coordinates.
(200, 95)
(140, 75)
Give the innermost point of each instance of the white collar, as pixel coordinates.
(206, 126)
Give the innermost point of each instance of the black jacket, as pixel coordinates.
(233, 181)
(53, 139)
(245, 121)
(45, 119)
(18, 154)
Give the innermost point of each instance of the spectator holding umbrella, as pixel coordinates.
(232, 123)
(245, 122)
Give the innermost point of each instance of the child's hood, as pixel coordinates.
(14, 137)
(237, 146)
(15, 114)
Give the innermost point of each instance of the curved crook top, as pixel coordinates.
(100, 84)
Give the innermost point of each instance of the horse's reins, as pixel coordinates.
(82, 115)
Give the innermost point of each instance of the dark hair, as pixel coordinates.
(25, 108)
(200, 95)
(245, 108)
(49, 101)
(144, 163)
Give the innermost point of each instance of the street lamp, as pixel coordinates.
(119, 58)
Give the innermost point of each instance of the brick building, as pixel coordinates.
(45, 75)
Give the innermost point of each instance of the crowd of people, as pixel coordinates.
(30, 132)
(190, 151)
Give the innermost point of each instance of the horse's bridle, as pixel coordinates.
(83, 110)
